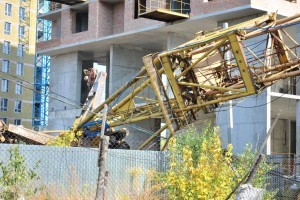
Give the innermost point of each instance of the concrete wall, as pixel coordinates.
(298, 127)
(65, 87)
(124, 64)
(249, 122)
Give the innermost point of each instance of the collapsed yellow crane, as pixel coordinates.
(212, 68)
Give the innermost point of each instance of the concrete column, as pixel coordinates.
(65, 87)
(298, 105)
(268, 121)
(297, 127)
(66, 23)
(228, 56)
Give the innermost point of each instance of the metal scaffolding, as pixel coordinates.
(164, 10)
(41, 72)
(24, 21)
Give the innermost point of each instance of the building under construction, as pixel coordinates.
(117, 34)
(18, 33)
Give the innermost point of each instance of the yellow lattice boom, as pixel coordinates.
(210, 69)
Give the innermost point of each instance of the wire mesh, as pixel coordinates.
(72, 172)
(284, 176)
(179, 6)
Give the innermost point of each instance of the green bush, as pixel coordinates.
(16, 179)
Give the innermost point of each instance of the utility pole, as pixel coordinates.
(103, 147)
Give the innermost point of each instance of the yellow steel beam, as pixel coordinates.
(201, 105)
(279, 47)
(242, 63)
(133, 93)
(148, 61)
(281, 76)
(119, 105)
(210, 87)
(167, 66)
(113, 123)
(223, 32)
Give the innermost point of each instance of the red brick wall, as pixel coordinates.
(105, 19)
(93, 20)
(54, 29)
(118, 21)
(48, 44)
(202, 7)
(132, 24)
(66, 23)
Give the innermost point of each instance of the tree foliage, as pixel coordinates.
(66, 139)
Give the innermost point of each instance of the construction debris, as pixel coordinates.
(248, 192)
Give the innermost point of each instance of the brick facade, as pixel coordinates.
(105, 19)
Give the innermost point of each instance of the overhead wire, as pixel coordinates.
(28, 82)
(32, 89)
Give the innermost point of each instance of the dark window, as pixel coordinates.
(81, 22)
(17, 121)
(3, 104)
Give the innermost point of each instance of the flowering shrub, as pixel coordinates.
(199, 168)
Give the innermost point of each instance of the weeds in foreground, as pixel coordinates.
(72, 191)
(143, 186)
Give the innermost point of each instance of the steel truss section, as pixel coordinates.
(41, 72)
(41, 91)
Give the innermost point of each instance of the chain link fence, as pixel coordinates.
(55, 172)
(72, 172)
(284, 176)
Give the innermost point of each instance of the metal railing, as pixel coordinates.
(292, 1)
(54, 6)
(179, 6)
